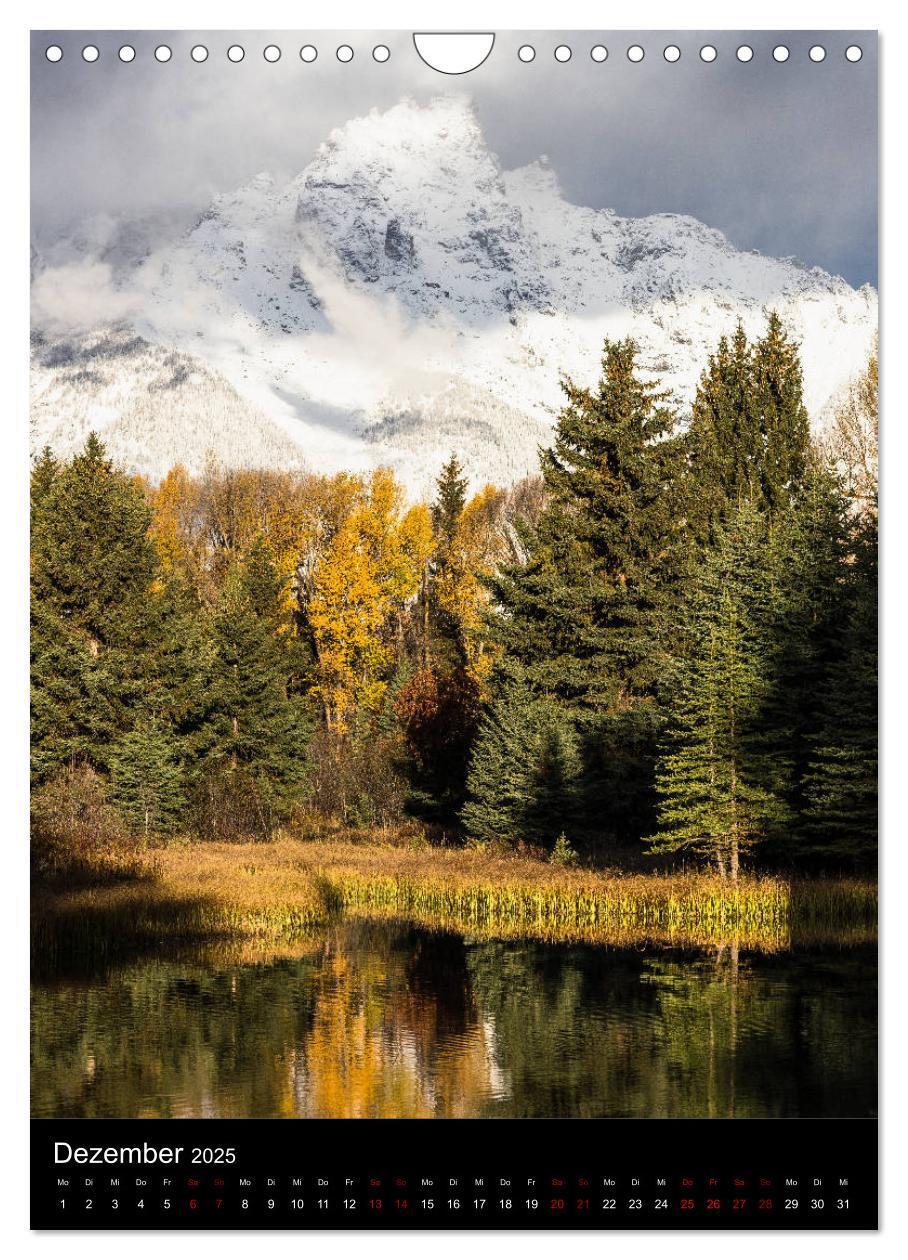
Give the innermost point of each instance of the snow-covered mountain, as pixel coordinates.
(402, 297)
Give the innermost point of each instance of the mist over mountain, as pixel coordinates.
(403, 296)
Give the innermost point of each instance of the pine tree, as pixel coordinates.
(721, 784)
(586, 614)
(522, 778)
(783, 423)
(148, 781)
(76, 710)
(809, 546)
(92, 576)
(260, 724)
(45, 470)
(450, 501)
(841, 783)
(749, 434)
(441, 639)
(586, 617)
(93, 559)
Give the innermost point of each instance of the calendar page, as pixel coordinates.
(454, 530)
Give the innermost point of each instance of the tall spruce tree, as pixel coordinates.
(450, 500)
(92, 576)
(809, 544)
(841, 784)
(93, 559)
(749, 433)
(441, 639)
(721, 782)
(586, 616)
(522, 780)
(260, 722)
(147, 780)
(783, 423)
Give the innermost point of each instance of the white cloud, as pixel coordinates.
(80, 295)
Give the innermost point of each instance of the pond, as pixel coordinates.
(379, 1019)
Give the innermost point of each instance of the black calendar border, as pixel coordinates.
(619, 1148)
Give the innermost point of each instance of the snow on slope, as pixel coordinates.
(151, 406)
(404, 296)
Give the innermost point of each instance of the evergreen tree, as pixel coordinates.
(586, 616)
(44, 473)
(842, 781)
(522, 778)
(148, 781)
(450, 500)
(809, 545)
(260, 724)
(749, 434)
(586, 613)
(721, 783)
(441, 639)
(92, 573)
(783, 423)
(93, 559)
(76, 713)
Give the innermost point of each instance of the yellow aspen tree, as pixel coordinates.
(360, 589)
(477, 547)
(173, 527)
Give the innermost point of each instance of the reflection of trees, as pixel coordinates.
(161, 1038)
(588, 1032)
(383, 1020)
(393, 1030)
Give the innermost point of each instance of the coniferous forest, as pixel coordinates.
(660, 652)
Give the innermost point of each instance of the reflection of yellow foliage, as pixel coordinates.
(361, 586)
(378, 1050)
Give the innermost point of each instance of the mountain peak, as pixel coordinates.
(407, 130)
(405, 295)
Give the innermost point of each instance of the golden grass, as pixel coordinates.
(275, 891)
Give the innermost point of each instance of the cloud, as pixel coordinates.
(781, 158)
(372, 340)
(80, 295)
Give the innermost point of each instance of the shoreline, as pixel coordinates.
(282, 889)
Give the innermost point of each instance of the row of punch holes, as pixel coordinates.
(525, 53)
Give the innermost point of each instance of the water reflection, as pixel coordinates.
(387, 1020)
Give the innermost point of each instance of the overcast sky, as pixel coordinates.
(780, 157)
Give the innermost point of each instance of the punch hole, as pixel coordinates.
(854, 52)
(451, 52)
(54, 53)
(599, 52)
(381, 52)
(162, 53)
(199, 53)
(526, 52)
(745, 53)
(345, 53)
(562, 53)
(780, 53)
(236, 52)
(708, 53)
(635, 53)
(272, 53)
(672, 53)
(308, 53)
(90, 53)
(127, 53)
(817, 53)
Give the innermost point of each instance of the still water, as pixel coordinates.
(389, 1020)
